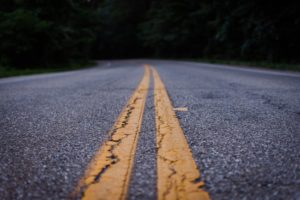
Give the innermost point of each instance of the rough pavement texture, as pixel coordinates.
(143, 182)
(243, 126)
(52, 126)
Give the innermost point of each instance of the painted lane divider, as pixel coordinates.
(108, 175)
(178, 175)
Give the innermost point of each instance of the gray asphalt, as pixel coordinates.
(242, 124)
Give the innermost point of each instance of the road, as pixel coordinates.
(241, 128)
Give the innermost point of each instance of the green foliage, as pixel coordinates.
(21, 31)
(38, 33)
(119, 28)
(176, 28)
(257, 30)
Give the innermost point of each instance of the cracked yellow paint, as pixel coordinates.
(178, 175)
(108, 175)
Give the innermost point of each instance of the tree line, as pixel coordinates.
(41, 33)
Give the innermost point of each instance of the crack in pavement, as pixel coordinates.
(113, 143)
(108, 175)
(178, 175)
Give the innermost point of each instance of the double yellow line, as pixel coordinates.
(108, 175)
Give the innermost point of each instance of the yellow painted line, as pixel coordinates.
(178, 175)
(109, 173)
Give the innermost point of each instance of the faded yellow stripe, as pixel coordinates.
(178, 175)
(109, 173)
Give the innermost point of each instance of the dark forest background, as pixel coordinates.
(41, 33)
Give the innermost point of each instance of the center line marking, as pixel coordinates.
(108, 175)
(178, 175)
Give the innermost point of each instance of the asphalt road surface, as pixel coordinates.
(242, 126)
